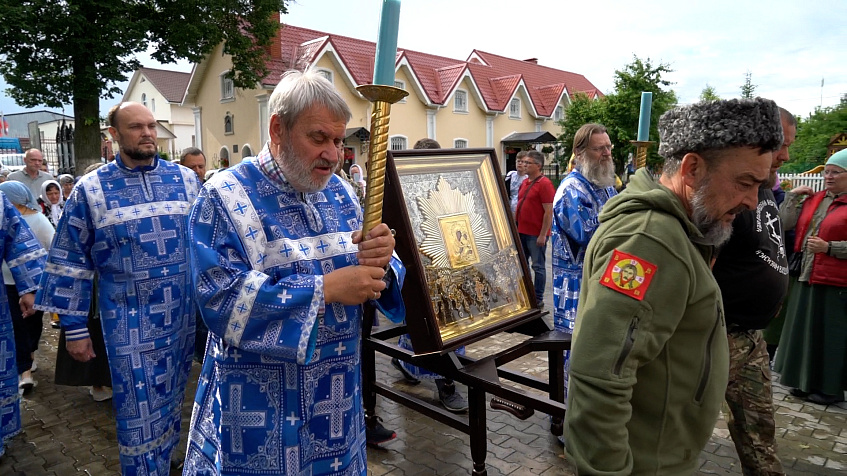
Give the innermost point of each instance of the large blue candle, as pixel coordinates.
(386, 45)
(644, 116)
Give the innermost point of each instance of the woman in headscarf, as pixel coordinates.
(812, 354)
(67, 183)
(51, 201)
(357, 177)
(27, 330)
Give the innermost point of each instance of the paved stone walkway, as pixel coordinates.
(67, 433)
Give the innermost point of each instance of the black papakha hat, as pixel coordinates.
(715, 125)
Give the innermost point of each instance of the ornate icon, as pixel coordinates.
(465, 274)
(459, 240)
(452, 237)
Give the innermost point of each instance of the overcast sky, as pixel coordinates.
(788, 46)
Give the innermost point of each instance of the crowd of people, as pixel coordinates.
(667, 287)
(260, 271)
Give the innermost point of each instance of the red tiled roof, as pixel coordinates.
(437, 74)
(536, 77)
(549, 95)
(171, 84)
(497, 77)
(502, 88)
(447, 79)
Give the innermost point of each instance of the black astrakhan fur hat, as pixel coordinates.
(715, 125)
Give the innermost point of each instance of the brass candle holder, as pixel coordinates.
(382, 97)
(641, 148)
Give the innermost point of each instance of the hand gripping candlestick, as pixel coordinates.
(382, 94)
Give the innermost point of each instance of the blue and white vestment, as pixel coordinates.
(280, 391)
(129, 225)
(576, 207)
(25, 257)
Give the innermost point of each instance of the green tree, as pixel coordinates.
(709, 94)
(623, 106)
(813, 135)
(75, 51)
(748, 88)
(619, 110)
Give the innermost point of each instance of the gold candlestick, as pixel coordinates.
(641, 148)
(382, 97)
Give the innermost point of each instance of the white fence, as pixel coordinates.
(813, 180)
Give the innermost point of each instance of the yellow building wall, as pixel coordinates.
(359, 106)
(470, 126)
(408, 118)
(244, 109)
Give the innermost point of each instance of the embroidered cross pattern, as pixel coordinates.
(167, 377)
(167, 306)
(237, 420)
(159, 236)
(335, 406)
(73, 294)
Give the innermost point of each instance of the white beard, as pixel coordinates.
(599, 172)
(298, 174)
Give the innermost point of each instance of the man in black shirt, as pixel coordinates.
(752, 272)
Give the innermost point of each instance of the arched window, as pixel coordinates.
(460, 144)
(144, 99)
(224, 162)
(153, 104)
(398, 143)
(229, 128)
(246, 151)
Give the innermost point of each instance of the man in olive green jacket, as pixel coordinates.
(649, 360)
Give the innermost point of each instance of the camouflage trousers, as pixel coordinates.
(749, 399)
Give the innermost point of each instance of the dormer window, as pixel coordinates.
(460, 101)
(327, 74)
(515, 108)
(400, 85)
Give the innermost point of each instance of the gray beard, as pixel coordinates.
(298, 174)
(715, 232)
(600, 173)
